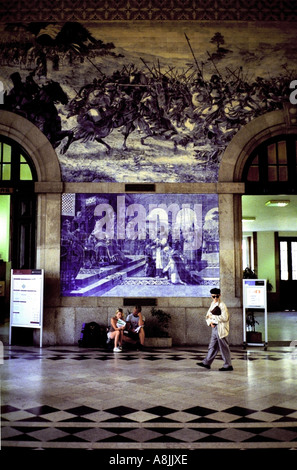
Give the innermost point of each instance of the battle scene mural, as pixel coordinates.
(139, 245)
(149, 102)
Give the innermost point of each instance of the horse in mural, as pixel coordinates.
(38, 105)
(94, 124)
(44, 114)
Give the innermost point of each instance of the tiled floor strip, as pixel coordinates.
(66, 398)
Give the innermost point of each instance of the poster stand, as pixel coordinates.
(255, 298)
(26, 300)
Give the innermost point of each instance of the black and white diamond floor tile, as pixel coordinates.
(125, 427)
(153, 355)
(64, 424)
(145, 434)
(161, 414)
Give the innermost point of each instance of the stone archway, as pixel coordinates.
(251, 136)
(48, 188)
(35, 143)
(231, 169)
(247, 139)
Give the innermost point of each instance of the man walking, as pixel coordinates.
(218, 318)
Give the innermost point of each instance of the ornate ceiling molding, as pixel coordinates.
(12, 11)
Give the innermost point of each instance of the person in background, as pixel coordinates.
(218, 318)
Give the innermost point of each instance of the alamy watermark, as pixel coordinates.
(1, 93)
(130, 222)
(293, 94)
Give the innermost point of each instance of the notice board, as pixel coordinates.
(255, 297)
(254, 293)
(26, 299)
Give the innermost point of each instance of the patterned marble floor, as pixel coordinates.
(74, 398)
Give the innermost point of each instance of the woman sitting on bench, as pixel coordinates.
(117, 330)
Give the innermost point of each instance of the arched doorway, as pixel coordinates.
(28, 166)
(35, 144)
(17, 205)
(263, 156)
(270, 174)
(30, 176)
(272, 166)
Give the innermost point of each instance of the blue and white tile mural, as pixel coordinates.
(139, 245)
(145, 101)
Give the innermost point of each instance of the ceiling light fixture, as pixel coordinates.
(277, 203)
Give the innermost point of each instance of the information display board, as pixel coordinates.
(26, 299)
(255, 297)
(255, 293)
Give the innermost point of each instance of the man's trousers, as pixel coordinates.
(217, 344)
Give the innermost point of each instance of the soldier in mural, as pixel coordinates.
(37, 104)
(95, 101)
(72, 254)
